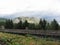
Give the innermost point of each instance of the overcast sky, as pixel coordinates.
(13, 6)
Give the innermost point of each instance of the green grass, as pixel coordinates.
(14, 39)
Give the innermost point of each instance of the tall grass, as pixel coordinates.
(14, 39)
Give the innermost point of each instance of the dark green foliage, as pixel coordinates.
(54, 25)
(2, 23)
(44, 24)
(19, 25)
(15, 26)
(41, 24)
(48, 27)
(9, 24)
(25, 24)
(31, 26)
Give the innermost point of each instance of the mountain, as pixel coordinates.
(49, 16)
(29, 19)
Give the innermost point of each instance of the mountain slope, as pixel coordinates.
(29, 19)
(37, 14)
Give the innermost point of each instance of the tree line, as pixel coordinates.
(43, 25)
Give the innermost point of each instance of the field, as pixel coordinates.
(14, 39)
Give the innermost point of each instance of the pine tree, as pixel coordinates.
(54, 25)
(40, 24)
(19, 25)
(25, 24)
(44, 24)
(9, 24)
(48, 26)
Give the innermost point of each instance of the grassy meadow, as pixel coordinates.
(14, 39)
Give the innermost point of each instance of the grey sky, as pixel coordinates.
(13, 6)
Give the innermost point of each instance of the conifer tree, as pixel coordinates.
(9, 24)
(44, 24)
(20, 25)
(54, 25)
(25, 24)
(40, 24)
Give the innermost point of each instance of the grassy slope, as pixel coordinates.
(13, 39)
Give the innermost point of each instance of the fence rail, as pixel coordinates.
(41, 32)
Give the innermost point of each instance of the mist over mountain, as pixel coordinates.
(43, 14)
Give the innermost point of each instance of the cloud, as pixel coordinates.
(33, 5)
(12, 6)
(7, 6)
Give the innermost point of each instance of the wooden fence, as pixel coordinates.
(38, 32)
